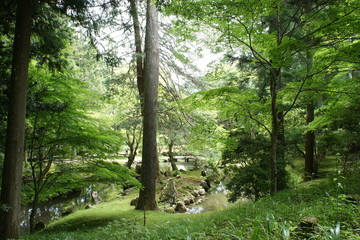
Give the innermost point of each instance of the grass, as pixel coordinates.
(276, 217)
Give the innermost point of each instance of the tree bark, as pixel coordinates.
(310, 163)
(14, 147)
(280, 155)
(147, 197)
(133, 143)
(274, 132)
(171, 156)
(138, 52)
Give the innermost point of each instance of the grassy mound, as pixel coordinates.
(330, 202)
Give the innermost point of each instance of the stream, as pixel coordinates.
(54, 208)
(215, 200)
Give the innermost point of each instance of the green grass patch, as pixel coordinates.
(275, 217)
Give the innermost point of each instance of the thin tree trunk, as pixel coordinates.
(147, 197)
(34, 205)
(131, 157)
(310, 164)
(171, 156)
(274, 83)
(138, 52)
(280, 158)
(14, 147)
(273, 159)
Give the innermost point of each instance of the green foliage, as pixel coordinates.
(246, 161)
(66, 177)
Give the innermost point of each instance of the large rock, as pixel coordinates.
(308, 227)
(180, 207)
(202, 192)
(189, 199)
(169, 193)
(134, 201)
(95, 197)
(39, 226)
(69, 210)
(205, 185)
(89, 206)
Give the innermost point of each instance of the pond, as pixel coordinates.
(54, 208)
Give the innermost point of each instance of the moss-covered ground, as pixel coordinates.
(329, 200)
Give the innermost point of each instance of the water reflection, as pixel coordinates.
(54, 208)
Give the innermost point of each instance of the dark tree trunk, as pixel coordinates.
(274, 83)
(34, 206)
(171, 156)
(281, 160)
(133, 140)
(310, 162)
(14, 147)
(132, 154)
(147, 198)
(138, 52)
(131, 158)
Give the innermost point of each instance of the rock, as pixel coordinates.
(199, 200)
(180, 207)
(89, 206)
(195, 193)
(169, 193)
(95, 197)
(67, 212)
(205, 184)
(134, 201)
(308, 226)
(189, 199)
(169, 210)
(178, 176)
(202, 192)
(39, 226)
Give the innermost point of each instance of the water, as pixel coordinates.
(215, 200)
(186, 166)
(53, 209)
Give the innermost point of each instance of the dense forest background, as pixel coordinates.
(260, 94)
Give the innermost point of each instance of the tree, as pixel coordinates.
(149, 166)
(58, 124)
(276, 33)
(14, 149)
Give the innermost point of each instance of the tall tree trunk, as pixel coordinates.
(147, 198)
(14, 147)
(310, 163)
(274, 139)
(280, 157)
(138, 52)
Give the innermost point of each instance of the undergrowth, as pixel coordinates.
(276, 217)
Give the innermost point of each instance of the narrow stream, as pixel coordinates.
(215, 200)
(54, 208)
